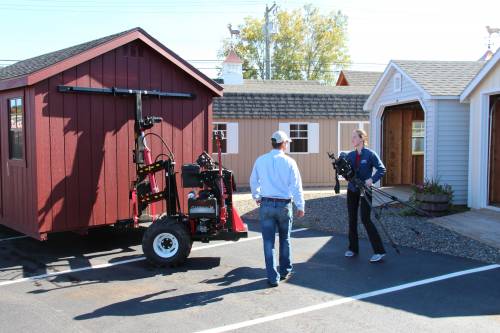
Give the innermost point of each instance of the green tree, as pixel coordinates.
(309, 45)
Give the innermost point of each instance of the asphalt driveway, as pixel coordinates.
(101, 283)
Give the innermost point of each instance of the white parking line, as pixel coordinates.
(344, 300)
(43, 276)
(11, 238)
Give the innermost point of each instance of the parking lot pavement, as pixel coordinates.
(224, 284)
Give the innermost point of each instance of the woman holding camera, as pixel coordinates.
(363, 161)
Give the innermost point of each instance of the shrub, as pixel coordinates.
(432, 186)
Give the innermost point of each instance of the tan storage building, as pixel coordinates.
(319, 118)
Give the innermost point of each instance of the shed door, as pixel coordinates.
(495, 151)
(404, 165)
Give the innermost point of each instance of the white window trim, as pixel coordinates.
(232, 138)
(211, 142)
(412, 137)
(360, 126)
(313, 138)
(298, 153)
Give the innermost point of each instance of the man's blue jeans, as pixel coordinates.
(276, 215)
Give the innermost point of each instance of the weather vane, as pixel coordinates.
(233, 33)
(491, 31)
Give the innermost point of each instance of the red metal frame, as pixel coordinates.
(148, 159)
(223, 208)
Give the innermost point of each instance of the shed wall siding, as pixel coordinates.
(255, 140)
(85, 144)
(453, 147)
(479, 138)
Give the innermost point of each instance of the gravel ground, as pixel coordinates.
(328, 212)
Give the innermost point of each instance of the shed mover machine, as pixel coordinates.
(210, 212)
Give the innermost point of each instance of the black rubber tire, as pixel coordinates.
(176, 229)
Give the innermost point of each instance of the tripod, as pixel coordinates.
(369, 191)
(367, 195)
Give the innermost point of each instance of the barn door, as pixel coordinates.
(393, 147)
(495, 152)
(402, 144)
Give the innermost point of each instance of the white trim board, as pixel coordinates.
(480, 76)
(485, 144)
(376, 126)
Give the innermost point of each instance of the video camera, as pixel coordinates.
(343, 168)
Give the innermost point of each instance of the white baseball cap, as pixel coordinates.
(280, 136)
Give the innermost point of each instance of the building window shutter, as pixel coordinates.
(232, 138)
(285, 127)
(313, 136)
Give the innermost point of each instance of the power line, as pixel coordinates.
(220, 60)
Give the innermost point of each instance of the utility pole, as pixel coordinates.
(268, 42)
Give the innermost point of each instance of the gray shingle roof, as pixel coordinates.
(32, 65)
(441, 78)
(296, 106)
(361, 78)
(293, 87)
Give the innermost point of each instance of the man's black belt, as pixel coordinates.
(276, 200)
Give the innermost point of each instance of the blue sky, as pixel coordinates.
(378, 30)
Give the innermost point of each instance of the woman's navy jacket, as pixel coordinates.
(369, 160)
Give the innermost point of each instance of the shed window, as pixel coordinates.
(299, 136)
(16, 128)
(222, 129)
(417, 138)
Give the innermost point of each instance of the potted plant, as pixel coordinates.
(433, 197)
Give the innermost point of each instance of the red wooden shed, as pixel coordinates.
(66, 159)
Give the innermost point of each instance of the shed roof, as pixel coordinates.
(440, 78)
(33, 70)
(292, 87)
(360, 78)
(289, 99)
(34, 64)
(435, 79)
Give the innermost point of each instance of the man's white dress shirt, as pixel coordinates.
(276, 175)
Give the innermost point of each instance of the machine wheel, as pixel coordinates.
(166, 243)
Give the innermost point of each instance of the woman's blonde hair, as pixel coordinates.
(362, 135)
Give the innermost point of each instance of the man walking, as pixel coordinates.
(275, 182)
